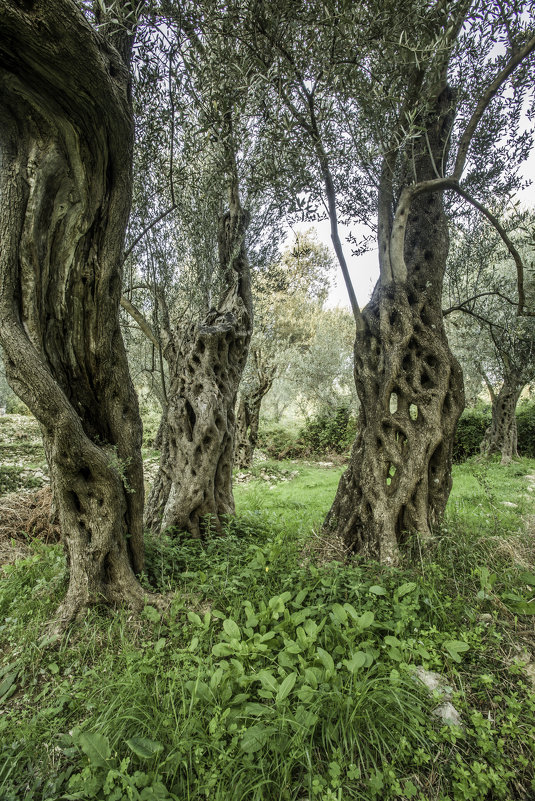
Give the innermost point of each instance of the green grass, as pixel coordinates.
(276, 678)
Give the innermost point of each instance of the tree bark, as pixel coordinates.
(193, 488)
(248, 413)
(408, 382)
(66, 130)
(501, 435)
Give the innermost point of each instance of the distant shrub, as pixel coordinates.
(280, 442)
(15, 406)
(474, 422)
(151, 417)
(525, 421)
(332, 430)
(470, 431)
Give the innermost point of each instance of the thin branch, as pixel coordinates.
(142, 322)
(462, 306)
(172, 137)
(484, 102)
(508, 243)
(476, 316)
(330, 192)
(151, 225)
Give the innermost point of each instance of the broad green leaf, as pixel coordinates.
(326, 659)
(193, 617)
(143, 747)
(357, 661)
(255, 737)
(232, 629)
(96, 747)
(528, 578)
(352, 612)
(9, 669)
(339, 613)
(456, 647)
(268, 680)
(377, 590)
(8, 683)
(406, 588)
(300, 597)
(239, 699)
(221, 649)
(217, 676)
(366, 620)
(259, 710)
(286, 686)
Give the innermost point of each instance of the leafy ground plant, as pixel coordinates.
(275, 676)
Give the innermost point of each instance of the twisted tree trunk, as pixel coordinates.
(248, 413)
(66, 130)
(193, 489)
(501, 435)
(408, 382)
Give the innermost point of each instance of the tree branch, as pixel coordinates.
(462, 306)
(484, 101)
(508, 243)
(151, 225)
(142, 322)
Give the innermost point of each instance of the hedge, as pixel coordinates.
(474, 422)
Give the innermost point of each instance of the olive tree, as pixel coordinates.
(66, 139)
(396, 109)
(495, 345)
(287, 297)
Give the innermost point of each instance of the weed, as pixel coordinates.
(274, 680)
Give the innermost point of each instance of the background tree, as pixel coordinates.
(288, 295)
(496, 345)
(204, 348)
(66, 129)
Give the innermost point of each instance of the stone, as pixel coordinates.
(435, 682)
(432, 681)
(448, 714)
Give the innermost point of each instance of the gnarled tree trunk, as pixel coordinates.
(193, 489)
(501, 435)
(248, 413)
(408, 382)
(66, 132)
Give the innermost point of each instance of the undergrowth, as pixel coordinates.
(277, 677)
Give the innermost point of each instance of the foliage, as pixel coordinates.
(272, 677)
(470, 431)
(330, 430)
(474, 422)
(525, 422)
(280, 441)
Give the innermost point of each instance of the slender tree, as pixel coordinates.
(494, 343)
